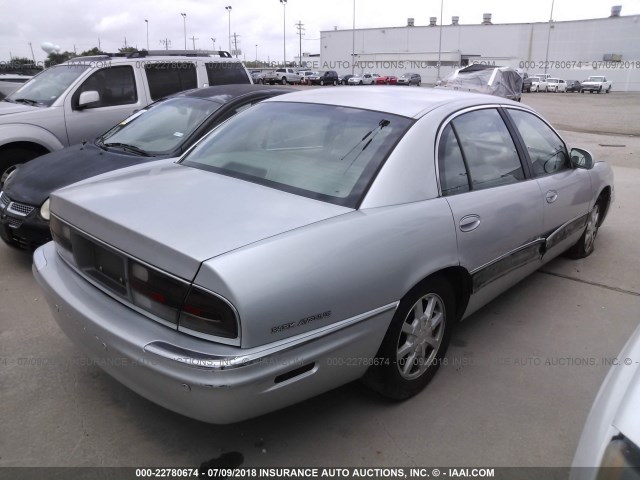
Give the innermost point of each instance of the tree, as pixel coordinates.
(127, 49)
(93, 51)
(56, 58)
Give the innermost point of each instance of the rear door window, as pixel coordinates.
(170, 77)
(224, 73)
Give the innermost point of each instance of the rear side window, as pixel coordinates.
(169, 78)
(547, 151)
(115, 85)
(488, 149)
(224, 73)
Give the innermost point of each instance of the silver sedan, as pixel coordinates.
(317, 238)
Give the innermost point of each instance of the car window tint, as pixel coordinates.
(115, 85)
(488, 149)
(547, 151)
(163, 127)
(453, 174)
(324, 152)
(171, 77)
(224, 73)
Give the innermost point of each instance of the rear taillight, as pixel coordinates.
(156, 292)
(205, 314)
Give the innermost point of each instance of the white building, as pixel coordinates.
(572, 50)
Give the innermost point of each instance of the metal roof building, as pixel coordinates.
(568, 49)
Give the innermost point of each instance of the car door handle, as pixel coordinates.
(469, 223)
(551, 196)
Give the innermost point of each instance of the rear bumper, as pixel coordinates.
(200, 379)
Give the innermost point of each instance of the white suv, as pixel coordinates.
(79, 99)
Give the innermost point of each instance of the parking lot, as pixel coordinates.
(521, 375)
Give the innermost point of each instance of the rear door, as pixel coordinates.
(496, 206)
(566, 192)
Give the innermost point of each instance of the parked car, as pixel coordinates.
(342, 239)
(556, 85)
(304, 75)
(503, 82)
(597, 84)
(387, 80)
(610, 440)
(410, 79)
(345, 79)
(81, 98)
(573, 86)
(9, 83)
(363, 79)
(164, 129)
(282, 76)
(326, 77)
(257, 76)
(539, 83)
(526, 83)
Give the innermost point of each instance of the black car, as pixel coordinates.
(345, 79)
(326, 77)
(164, 129)
(573, 86)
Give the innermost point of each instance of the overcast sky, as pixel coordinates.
(70, 23)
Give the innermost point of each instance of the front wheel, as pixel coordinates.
(11, 157)
(416, 341)
(284, 80)
(586, 244)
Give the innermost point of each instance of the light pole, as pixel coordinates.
(147, 22)
(546, 56)
(213, 41)
(256, 55)
(440, 41)
(228, 9)
(353, 40)
(184, 20)
(284, 31)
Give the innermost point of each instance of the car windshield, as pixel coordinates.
(328, 153)
(595, 79)
(46, 87)
(161, 128)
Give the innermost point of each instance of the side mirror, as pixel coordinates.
(87, 98)
(581, 159)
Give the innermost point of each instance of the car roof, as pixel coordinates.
(412, 103)
(224, 93)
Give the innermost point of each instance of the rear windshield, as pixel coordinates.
(324, 152)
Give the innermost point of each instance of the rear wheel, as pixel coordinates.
(284, 80)
(416, 342)
(335, 82)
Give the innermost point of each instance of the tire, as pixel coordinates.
(335, 82)
(360, 82)
(284, 80)
(586, 244)
(608, 89)
(11, 157)
(413, 349)
(581, 91)
(322, 83)
(418, 84)
(600, 89)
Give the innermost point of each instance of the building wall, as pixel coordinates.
(576, 49)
